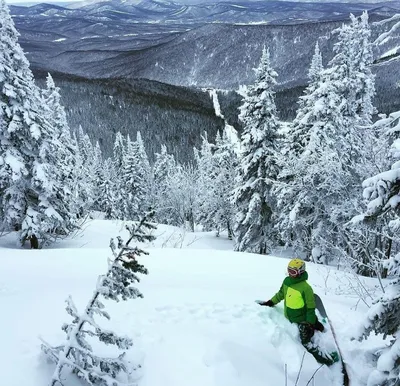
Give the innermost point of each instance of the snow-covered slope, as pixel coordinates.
(198, 323)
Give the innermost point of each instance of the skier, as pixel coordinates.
(299, 307)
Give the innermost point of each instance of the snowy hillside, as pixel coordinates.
(198, 320)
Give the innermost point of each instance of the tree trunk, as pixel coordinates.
(34, 242)
(228, 225)
(388, 253)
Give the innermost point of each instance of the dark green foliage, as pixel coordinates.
(164, 114)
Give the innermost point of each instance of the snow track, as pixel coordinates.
(214, 344)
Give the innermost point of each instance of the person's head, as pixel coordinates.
(296, 267)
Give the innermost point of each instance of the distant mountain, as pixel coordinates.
(77, 4)
(246, 11)
(208, 45)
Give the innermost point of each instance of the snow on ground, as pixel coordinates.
(198, 323)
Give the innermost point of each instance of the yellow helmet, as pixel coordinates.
(296, 267)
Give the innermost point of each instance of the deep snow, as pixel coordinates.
(198, 323)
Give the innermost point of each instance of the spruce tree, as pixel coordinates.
(147, 177)
(164, 166)
(181, 196)
(61, 157)
(352, 64)
(34, 158)
(225, 168)
(117, 284)
(20, 123)
(383, 194)
(135, 181)
(119, 151)
(89, 158)
(206, 183)
(299, 133)
(306, 203)
(258, 167)
(109, 191)
(320, 180)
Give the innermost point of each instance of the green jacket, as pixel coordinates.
(298, 296)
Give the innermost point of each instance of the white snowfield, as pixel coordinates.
(198, 324)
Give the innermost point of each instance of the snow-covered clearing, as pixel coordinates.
(198, 323)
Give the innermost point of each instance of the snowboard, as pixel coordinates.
(321, 309)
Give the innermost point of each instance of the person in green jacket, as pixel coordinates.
(299, 307)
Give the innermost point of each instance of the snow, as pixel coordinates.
(387, 36)
(230, 130)
(198, 319)
(389, 53)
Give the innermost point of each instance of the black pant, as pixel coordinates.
(306, 333)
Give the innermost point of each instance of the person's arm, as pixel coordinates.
(310, 304)
(278, 296)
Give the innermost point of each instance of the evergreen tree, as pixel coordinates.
(181, 196)
(98, 174)
(135, 181)
(117, 284)
(34, 161)
(295, 143)
(163, 167)
(119, 151)
(63, 150)
(320, 182)
(108, 192)
(258, 163)
(206, 183)
(225, 167)
(383, 194)
(352, 64)
(144, 164)
(299, 134)
(20, 123)
(307, 203)
(89, 159)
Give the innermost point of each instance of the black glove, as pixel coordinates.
(269, 303)
(319, 326)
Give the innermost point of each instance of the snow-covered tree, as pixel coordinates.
(217, 167)
(258, 163)
(373, 240)
(205, 183)
(297, 139)
(109, 196)
(181, 196)
(352, 64)
(143, 162)
(307, 203)
(20, 122)
(319, 184)
(119, 151)
(35, 156)
(97, 170)
(136, 179)
(299, 130)
(383, 194)
(164, 166)
(89, 160)
(77, 353)
(61, 153)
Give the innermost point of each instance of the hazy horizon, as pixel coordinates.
(28, 3)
